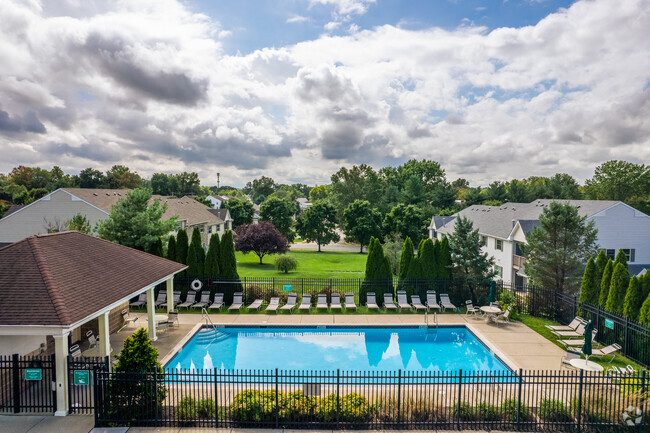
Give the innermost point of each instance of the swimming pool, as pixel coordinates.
(359, 349)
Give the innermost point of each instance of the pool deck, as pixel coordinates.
(518, 345)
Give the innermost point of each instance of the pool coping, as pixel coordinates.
(471, 328)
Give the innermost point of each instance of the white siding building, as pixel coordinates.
(504, 227)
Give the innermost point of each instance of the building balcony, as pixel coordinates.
(518, 262)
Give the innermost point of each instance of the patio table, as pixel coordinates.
(490, 312)
(586, 365)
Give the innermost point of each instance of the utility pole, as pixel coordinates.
(218, 174)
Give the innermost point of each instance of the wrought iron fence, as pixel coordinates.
(27, 384)
(552, 400)
(81, 372)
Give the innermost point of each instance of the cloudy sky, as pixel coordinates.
(295, 89)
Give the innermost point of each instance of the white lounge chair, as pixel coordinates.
(579, 332)
(205, 300)
(402, 301)
(446, 303)
(175, 299)
(336, 302)
(322, 301)
(172, 318)
(417, 304)
(237, 301)
(621, 371)
(578, 341)
(189, 300)
(161, 299)
(606, 351)
(570, 327)
(274, 303)
(349, 301)
(218, 302)
(256, 305)
(389, 304)
(371, 301)
(291, 302)
(471, 309)
(141, 302)
(92, 340)
(305, 303)
(75, 351)
(431, 300)
(127, 318)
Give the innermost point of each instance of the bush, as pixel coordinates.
(509, 411)
(187, 409)
(596, 408)
(507, 299)
(463, 411)
(286, 263)
(206, 408)
(486, 412)
(553, 410)
(253, 405)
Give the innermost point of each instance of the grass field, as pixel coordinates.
(311, 264)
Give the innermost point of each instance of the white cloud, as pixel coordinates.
(147, 84)
(297, 19)
(346, 7)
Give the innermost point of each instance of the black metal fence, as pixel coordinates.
(528, 400)
(27, 384)
(81, 371)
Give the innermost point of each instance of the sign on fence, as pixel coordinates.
(287, 287)
(33, 374)
(609, 324)
(81, 377)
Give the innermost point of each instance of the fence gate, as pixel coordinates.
(81, 382)
(27, 384)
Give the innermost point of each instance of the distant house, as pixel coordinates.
(303, 203)
(217, 200)
(504, 228)
(49, 213)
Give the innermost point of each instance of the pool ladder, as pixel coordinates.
(206, 317)
(215, 334)
(435, 317)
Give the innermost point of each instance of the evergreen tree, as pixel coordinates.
(420, 248)
(157, 248)
(465, 246)
(171, 248)
(182, 244)
(620, 258)
(373, 260)
(378, 277)
(436, 254)
(428, 262)
(228, 262)
(644, 315)
(444, 259)
(212, 257)
(196, 256)
(405, 258)
(604, 283)
(601, 262)
(633, 299)
(617, 288)
(645, 285)
(589, 290)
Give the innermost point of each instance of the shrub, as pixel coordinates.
(553, 410)
(507, 299)
(187, 409)
(509, 411)
(486, 412)
(253, 405)
(286, 263)
(206, 408)
(596, 408)
(463, 411)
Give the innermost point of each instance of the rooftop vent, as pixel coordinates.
(95, 194)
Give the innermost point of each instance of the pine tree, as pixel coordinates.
(212, 257)
(601, 262)
(182, 244)
(428, 262)
(620, 258)
(444, 259)
(405, 258)
(618, 288)
(228, 262)
(644, 315)
(604, 283)
(171, 248)
(420, 247)
(633, 299)
(196, 256)
(589, 290)
(373, 260)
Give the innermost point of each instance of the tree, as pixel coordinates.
(590, 288)
(79, 223)
(633, 299)
(261, 239)
(620, 258)
(618, 180)
(564, 186)
(617, 289)
(228, 263)
(90, 178)
(182, 244)
(120, 176)
(318, 193)
(134, 223)
(286, 263)
(171, 248)
(407, 221)
(361, 222)
(517, 192)
(212, 257)
(496, 191)
(160, 184)
(157, 248)
(604, 283)
(188, 183)
(196, 256)
(318, 224)
(444, 259)
(558, 248)
(241, 211)
(280, 213)
(644, 314)
(468, 260)
(601, 262)
(428, 260)
(260, 189)
(361, 182)
(405, 259)
(378, 276)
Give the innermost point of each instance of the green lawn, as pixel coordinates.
(311, 264)
(539, 325)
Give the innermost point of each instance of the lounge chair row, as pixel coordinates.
(416, 303)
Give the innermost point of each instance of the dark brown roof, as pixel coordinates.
(61, 278)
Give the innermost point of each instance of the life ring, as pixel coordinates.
(632, 416)
(196, 285)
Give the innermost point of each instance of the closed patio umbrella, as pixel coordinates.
(493, 292)
(586, 348)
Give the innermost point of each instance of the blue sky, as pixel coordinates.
(263, 23)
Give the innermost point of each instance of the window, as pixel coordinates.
(629, 254)
(611, 254)
(201, 228)
(498, 244)
(499, 271)
(210, 229)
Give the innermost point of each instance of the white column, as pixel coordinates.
(170, 294)
(151, 311)
(104, 335)
(61, 360)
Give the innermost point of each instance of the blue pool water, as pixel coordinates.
(358, 349)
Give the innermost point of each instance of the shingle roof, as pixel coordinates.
(222, 214)
(13, 208)
(61, 278)
(498, 221)
(439, 221)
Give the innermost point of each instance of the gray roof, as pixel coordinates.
(637, 269)
(220, 213)
(439, 221)
(498, 221)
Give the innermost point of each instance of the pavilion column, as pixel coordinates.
(61, 360)
(151, 312)
(104, 335)
(170, 294)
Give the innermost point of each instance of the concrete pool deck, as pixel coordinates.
(514, 342)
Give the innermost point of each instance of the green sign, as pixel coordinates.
(287, 287)
(609, 324)
(81, 377)
(33, 374)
